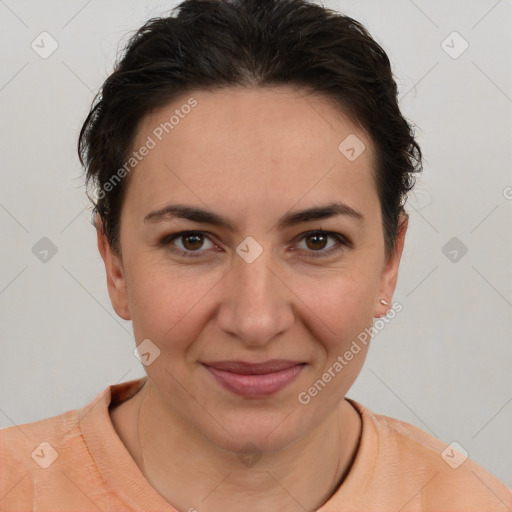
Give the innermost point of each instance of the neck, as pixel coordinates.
(191, 472)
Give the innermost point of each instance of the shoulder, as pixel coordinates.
(28, 449)
(442, 475)
(52, 464)
(42, 460)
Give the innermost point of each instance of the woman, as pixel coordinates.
(251, 166)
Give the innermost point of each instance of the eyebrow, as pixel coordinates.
(200, 215)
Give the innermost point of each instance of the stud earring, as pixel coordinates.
(384, 302)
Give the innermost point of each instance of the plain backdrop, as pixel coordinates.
(444, 363)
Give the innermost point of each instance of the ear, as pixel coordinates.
(389, 274)
(116, 282)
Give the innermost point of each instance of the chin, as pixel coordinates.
(257, 430)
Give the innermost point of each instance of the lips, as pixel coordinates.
(241, 367)
(254, 380)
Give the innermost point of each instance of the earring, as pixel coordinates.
(384, 302)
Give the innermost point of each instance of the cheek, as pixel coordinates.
(340, 302)
(339, 309)
(168, 302)
(173, 304)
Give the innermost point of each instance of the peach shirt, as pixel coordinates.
(84, 466)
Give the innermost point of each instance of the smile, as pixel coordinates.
(256, 380)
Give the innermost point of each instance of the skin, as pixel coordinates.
(251, 155)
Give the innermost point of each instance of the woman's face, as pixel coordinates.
(257, 283)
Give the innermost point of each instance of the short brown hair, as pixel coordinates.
(207, 44)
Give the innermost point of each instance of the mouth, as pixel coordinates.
(254, 380)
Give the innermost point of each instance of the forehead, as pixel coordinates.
(259, 143)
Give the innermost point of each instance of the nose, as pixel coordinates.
(256, 304)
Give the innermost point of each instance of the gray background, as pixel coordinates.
(444, 363)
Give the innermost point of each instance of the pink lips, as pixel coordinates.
(254, 380)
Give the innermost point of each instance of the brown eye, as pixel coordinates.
(323, 243)
(188, 243)
(192, 241)
(316, 241)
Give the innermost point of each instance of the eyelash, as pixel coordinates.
(341, 239)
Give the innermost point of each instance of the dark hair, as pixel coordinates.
(207, 44)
